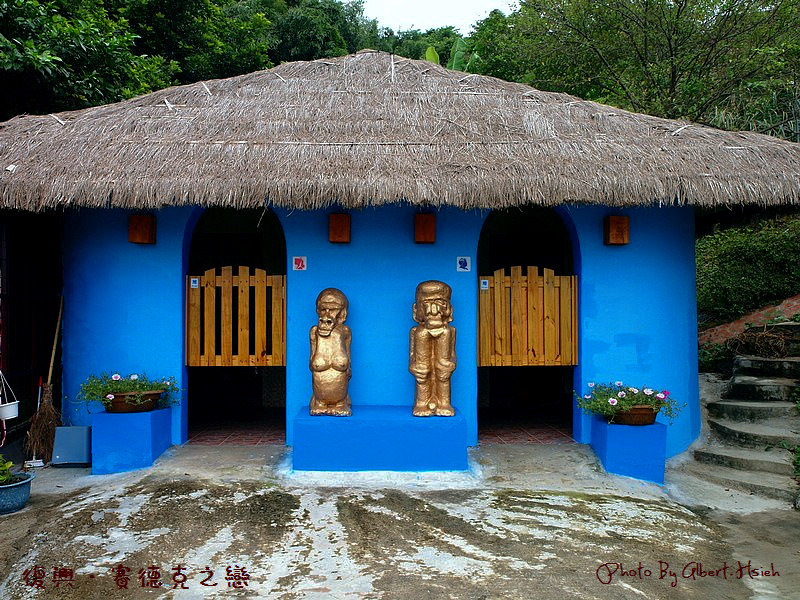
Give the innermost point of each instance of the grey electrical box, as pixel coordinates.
(72, 447)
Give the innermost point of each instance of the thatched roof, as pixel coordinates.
(373, 128)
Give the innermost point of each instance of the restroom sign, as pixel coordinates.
(299, 263)
(194, 282)
(484, 284)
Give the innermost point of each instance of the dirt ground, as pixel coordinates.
(525, 522)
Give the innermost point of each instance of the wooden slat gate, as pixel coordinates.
(527, 319)
(251, 305)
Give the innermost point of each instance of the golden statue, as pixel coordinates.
(330, 356)
(432, 350)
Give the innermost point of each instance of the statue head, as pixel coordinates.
(331, 309)
(432, 307)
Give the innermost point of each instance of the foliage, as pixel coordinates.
(102, 388)
(715, 358)
(743, 268)
(609, 399)
(670, 58)
(5, 471)
(431, 55)
(413, 43)
(62, 55)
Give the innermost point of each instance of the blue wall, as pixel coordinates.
(638, 321)
(378, 272)
(124, 303)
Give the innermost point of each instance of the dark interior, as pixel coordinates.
(226, 396)
(524, 396)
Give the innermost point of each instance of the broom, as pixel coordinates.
(41, 435)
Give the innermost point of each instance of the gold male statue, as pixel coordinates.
(432, 350)
(330, 356)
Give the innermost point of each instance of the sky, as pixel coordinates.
(426, 14)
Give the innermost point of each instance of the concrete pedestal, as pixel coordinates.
(379, 438)
(634, 450)
(127, 441)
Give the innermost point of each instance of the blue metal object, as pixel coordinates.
(72, 446)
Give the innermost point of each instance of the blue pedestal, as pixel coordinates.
(634, 450)
(127, 441)
(379, 438)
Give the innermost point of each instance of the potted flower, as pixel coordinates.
(15, 488)
(626, 405)
(129, 393)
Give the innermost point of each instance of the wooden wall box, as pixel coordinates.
(424, 228)
(339, 228)
(616, 230)
(142, 229)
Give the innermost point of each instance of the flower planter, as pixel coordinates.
(637, 415)
(128, 402)
(10, 410)
(14, 496)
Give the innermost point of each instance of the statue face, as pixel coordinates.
(329, 310)
(433, 307)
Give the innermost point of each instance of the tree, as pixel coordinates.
(671, 58)
(65, 55)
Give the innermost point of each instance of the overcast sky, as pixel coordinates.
(426, 14)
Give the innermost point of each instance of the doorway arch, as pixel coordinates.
(230, 397)
(541, 395)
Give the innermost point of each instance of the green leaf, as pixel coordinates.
(431, 55)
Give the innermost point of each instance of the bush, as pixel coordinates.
(743, 268)
(715, 358)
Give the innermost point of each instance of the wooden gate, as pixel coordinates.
(527, 319)
(252, 305)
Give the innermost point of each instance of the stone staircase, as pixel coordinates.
(750, 427)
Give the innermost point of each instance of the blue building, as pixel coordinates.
(371, 173)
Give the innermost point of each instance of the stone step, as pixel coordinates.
(776, 460)
(771, 485)
(743, 410)
(770, 432)
(750, 387)
(767, 367)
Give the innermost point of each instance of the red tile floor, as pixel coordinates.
(262, 434)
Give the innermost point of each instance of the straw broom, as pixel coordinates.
(41, 435)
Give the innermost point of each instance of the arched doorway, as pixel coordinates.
(236, 401)
(529, 393)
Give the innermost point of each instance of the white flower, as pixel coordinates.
(110, 396)
(660, 396)
(634, 390)
(622, 394)
(613, 401)
(590, 384)
(618, 383)
(588, 396)
(134, 377)
(648, 392)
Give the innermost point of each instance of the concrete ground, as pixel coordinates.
(527, 521)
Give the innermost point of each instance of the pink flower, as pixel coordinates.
(618, 383)
(110, 396)
(590, 384)
(116, 377)
(666, 393)
(648, 392)
(613, 401)
(660, 395)
(621, 394)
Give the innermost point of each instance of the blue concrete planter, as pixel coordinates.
(379, 438)
(633, 450)
(15, 496)
(127, 441)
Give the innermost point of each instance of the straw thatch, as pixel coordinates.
(372, 128)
